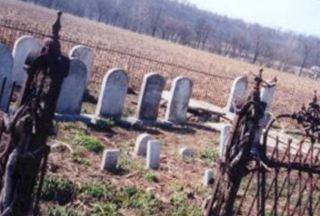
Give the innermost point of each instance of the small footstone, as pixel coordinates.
(186, 153)
(110, 160)
(208, 177)
(153, 154)
(140, 148)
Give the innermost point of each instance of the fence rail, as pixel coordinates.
(137, 65)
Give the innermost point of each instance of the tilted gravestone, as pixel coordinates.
(86, 55)
(73, 88)
(180, 94)
(238, 90)
(113, 94)
(6, 65)
(153, 154)
(22, 47)
(150, 96)
(140, 148)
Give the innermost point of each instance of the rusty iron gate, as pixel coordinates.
(271, 169)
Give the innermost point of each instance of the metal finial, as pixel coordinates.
(57, 26)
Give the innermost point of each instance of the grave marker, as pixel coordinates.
(84, 54)
(21, 49)
(141, 144)
(153, 154)
(150, 96)
(180, 94)
(73, 88)
(208, 177)
(113, 94)
(110, 160)
(224, 138)
(238, 90)
(6, 65)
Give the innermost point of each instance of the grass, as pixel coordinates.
(151, 177)
(92, 144)
(58, 190)
(209, 155)
(106, 209)
(61, 211)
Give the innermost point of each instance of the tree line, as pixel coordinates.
(182, 22)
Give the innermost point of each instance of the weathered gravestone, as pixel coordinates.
(153, 154)
(22, 47)
(224, 138)
(73, 88)
(150, 96)
(238, 90)
(140, 148)
(86, 55)
(180, 94)
(6, 65)
(113, 93)
(110, 160)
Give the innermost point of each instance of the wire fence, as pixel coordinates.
(207, 85)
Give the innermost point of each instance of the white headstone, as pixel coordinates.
(21, 49)
(180, 94)
(6, 65)
(208, 177)
(150, 96)
(153, 154)
(140, 148)
(110, 160)
(73, 88)
(113, 93)
(186, 153)
(238, 90)
(224, 138)
(86, 55)
(267, 94)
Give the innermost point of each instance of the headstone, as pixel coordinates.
(6, 65)
(186, 153)
(21, 49)
(113, 94)
(73, 88)
(153, 154)
(6, 61)
(208, 177)
(110, 160)
(238, 90)
(150, 96)
(86, 55)
(224, 138)
(180, 94)
(140, 148)
(267, 94)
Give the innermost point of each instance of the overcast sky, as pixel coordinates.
(302, 16)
